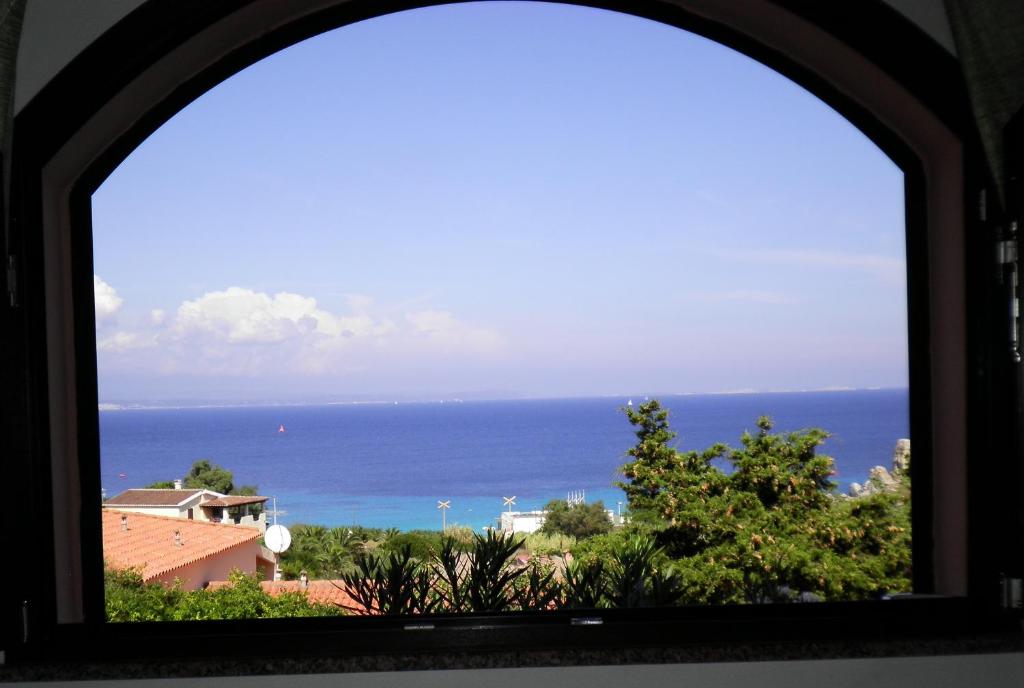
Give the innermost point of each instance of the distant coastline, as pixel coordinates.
(468, 398)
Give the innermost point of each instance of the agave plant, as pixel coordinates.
(585, 585)
(667, 588)
(450, 569)
(395, 584)
(489, 577)
(631, 570)
(536, 588)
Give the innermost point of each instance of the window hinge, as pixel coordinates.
(586, 621)
(1008, 271)
(1013, 594)
(12, 281)
(1006, 252)
(24, 622)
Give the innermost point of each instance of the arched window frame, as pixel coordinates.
(165, 54)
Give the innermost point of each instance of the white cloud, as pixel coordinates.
(239, 331)
(359, 303)
(240, 315)
(443, 328)
(108, 303)
(124, 341)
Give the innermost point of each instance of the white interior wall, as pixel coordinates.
(973, 671)
(929, 15)
(54, 31)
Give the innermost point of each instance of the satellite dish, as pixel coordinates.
(277, 539)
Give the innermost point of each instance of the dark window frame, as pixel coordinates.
(137, 45)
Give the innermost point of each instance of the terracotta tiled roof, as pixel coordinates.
(234, 500)
(149, 543)
(144, 497)
(317, 591)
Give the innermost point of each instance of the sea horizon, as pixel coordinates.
(387, 465)
(128, 405)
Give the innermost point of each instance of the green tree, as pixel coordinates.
(578, 520)
(659, 476)
(772, 528)
(204, 475)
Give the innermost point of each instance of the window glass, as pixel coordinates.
(553, 307)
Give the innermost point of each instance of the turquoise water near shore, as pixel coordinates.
(386, 465)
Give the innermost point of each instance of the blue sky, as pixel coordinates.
(500, 199)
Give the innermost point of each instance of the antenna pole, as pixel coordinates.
(443, 506)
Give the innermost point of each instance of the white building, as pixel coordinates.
(532, 521)
(522, 521)
(198, 505)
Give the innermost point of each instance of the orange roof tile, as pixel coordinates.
(149, 543)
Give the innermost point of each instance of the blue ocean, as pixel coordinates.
(387, 465)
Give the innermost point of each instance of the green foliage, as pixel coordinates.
(603, 547)
(390, 584)
(203, 474)
(245, 599)
(541, 543)
(449, 569)
(206, 475)
(326, 552)
(489, 576)
(585, 584)
(537, 589)
(484, 579)
(640, 575)
(772, 529)
(128, 598)
(422, 543)
(659, 476)
(579, 520)
(769, 529)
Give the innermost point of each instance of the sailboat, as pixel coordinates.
(281, 429)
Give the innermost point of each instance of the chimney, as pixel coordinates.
(177, 484)
(303, 580)
(124, 522)
(177, 538)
